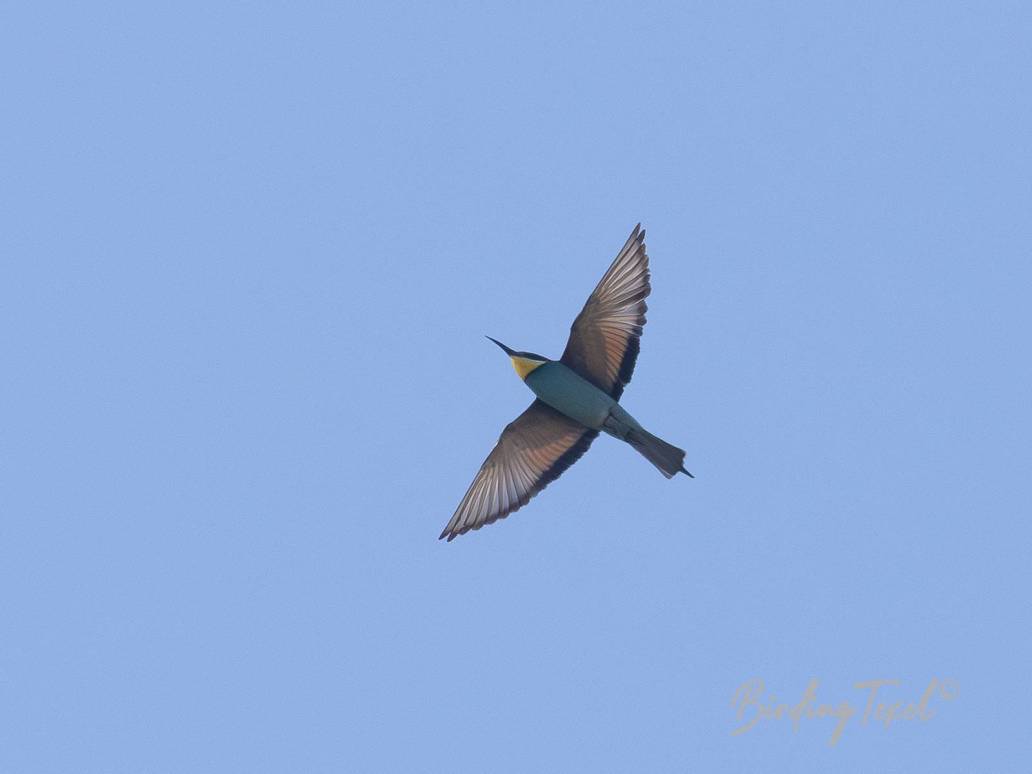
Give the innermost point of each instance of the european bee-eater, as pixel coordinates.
(576, 398)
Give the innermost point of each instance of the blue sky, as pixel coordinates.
(250, 255)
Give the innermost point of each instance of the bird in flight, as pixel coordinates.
(577, 397)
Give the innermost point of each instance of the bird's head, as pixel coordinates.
(523, 362)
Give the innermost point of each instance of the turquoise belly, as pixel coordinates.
(566, 391)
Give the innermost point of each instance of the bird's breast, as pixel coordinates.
(569, 393)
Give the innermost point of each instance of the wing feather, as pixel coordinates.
(603, 345)
(533, 450)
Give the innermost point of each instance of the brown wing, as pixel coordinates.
(603, 345)
(533, 450)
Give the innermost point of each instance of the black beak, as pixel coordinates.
(505, 349)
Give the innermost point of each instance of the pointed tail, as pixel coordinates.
(667, 457)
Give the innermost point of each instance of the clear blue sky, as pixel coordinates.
(250, 254)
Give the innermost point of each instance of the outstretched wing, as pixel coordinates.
(603, 345)
(533, 450)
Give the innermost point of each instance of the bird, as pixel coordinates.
(576, 398)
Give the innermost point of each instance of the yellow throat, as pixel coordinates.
(524, 366)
